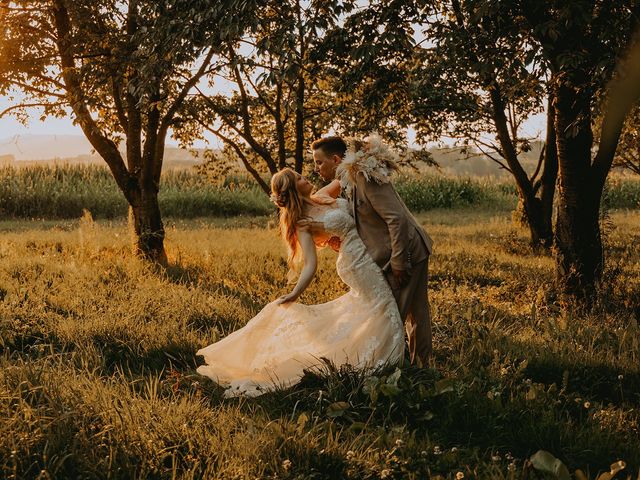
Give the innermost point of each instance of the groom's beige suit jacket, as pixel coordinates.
(391, 234)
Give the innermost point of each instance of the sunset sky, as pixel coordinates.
(10, 128)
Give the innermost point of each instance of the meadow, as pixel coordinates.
(97, 354)
(63, 191)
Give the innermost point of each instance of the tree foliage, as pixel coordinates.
(281, 94)
(123, 68)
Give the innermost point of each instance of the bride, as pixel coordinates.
(362, 328)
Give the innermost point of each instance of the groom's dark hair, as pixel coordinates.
(330, 146)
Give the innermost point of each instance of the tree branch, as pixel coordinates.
(29, 105)
(76, 98)
(245, 161)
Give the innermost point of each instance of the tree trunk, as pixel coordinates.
(299, 147)
(300, 94)
(148, 226)
(549, 175)
(539, 225)
(541, 205)
(579, 256)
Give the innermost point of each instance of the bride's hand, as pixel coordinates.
(288, 298)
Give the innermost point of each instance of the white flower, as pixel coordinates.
(350, 455)
(385, 473)
(399, 443)
(286, 464)
(459, 476)
(436, 450)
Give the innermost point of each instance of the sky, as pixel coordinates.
(11, 131)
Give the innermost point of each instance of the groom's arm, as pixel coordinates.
(385, 201)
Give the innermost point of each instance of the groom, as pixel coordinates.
(394, 239)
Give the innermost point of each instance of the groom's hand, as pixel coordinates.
(334, 243)
(401, 277)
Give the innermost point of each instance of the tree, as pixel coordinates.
(280, 97)
(471, 74)
(124, 68)
(581, 42)
(481, 56)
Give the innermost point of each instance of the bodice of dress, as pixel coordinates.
(336, 218)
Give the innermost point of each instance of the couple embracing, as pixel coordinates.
(383, 256)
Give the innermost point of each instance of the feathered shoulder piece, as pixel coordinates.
(370, 157)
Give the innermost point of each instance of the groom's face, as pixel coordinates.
(325, 165)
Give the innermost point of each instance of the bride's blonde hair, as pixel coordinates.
(285, 194)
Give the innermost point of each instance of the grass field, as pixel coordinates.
(64, 191)
(97, 376)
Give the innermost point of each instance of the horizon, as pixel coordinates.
(11, 131)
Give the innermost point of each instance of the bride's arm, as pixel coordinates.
(308, 270)
(332, 190)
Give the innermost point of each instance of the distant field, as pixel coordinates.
(63, 191)
(97, 360)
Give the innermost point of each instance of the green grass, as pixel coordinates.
(62, 192)
(97, 364)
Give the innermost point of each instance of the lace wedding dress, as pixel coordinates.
(362, 328)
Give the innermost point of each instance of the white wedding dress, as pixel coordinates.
(362, 328)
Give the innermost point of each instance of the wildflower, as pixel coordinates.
(286, 464)
(620, 377)
(399, 443)
(385, 473)
(424, 453)
(512, 467)
(496, 458)
(508, 456)
(587, 404)
(504, 371)
(454, 449)
(350, 455)
(459, 476)
(436, 450)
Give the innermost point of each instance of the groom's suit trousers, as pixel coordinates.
(413, 304)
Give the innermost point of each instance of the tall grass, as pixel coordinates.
(62, 192)
(97, 362)
(58, 192)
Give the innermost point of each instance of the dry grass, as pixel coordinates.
(97, 360)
